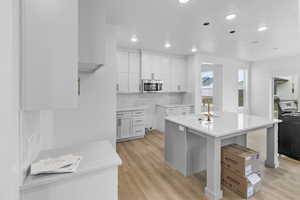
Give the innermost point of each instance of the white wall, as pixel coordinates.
(9, 107)
(95, 119)
(261, 75)
(230, 80)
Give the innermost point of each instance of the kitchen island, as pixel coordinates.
(193, 144)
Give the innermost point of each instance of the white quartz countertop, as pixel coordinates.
(131, 108)
(174, 105)
(97, 156)
(224, 124)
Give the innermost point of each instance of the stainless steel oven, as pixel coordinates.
(152, 85)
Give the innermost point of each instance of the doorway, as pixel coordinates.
(284, 90)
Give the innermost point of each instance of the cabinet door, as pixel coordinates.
(123, 82)
(122, 62)
(134, 63)
(92, 30)
(164, 73)
(134, 72)
(134, 82)
(147, 64)
(49, 54)
(178, 68)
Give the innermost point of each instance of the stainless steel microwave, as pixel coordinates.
(152, 85)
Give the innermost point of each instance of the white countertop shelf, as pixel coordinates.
(97, 156)
(224, 124)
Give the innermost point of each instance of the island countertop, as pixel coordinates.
(223, 123)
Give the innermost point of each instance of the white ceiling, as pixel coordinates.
(155, 21)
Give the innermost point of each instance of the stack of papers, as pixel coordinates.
(63, 164)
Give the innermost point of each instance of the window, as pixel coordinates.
(242, 85)
(207, 86)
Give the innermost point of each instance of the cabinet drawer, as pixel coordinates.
(139, 130)
(138, 113)
(138, 122)
(124, 114)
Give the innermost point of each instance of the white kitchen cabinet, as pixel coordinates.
(178, 71)
(170, 69)
(134, 72)
(122, 62)
(147, 66)
(134, 82)
(128, 67)
(92, 31)
(49, 36)
(130, 124)
(123, 82)
(134, 62)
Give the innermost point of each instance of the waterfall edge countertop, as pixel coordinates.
(96, 156)
(223, 123)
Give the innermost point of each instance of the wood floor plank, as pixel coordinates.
(144, 175)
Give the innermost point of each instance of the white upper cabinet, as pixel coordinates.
(49, 36)
(178, 74)
(122, 62)
(147, 66)
(134, 62)
(168, 68)
(134, 72)
(92, 32)
(128, 67)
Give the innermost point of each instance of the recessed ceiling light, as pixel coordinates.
(167, 45)
(134, 39)
(232, 31)
(230, 17)
(206, 24)
(194, 49)
(262, 28)
(183, 1)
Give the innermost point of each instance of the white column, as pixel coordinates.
(272, 147)
(213, 166)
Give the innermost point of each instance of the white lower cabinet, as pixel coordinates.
(163, 111)
(130, 125)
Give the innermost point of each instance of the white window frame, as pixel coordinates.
(245, 108)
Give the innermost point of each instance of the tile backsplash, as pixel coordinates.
(150, 100)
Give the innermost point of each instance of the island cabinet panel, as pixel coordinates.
(49, 51)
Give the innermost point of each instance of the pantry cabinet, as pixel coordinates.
(128, 67)
(49, 51)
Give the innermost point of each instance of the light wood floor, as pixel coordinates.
(145, 176)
